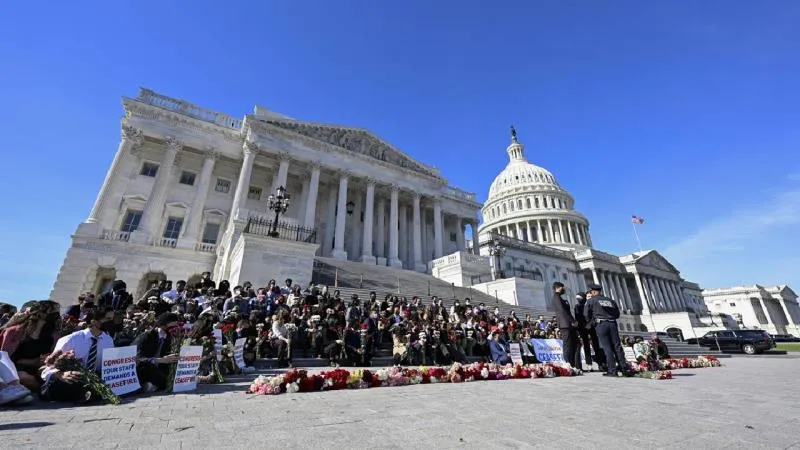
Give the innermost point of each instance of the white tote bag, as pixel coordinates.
(8, 372)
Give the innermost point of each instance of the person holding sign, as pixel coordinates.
(567, 326)
(153, 349)
(605, 312)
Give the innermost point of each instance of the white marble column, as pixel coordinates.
(647, 306)
(380, 235)
(561, 238)
(665, 293)
(309, 218)
(625, 292)
(437, 228)
(660, 301)
(282, 174)
(595, 278)
(354, 230)
(476, 246)
(402, 233)
(191, 231)
(551, 236)
(417, 234)
(571, 234)
(243, 184)
(101, 212)
(460, 234)
(623, 304)
(341, 217)
(153, 210)
(394, 261)
(528, 230)
(770, 322)
(369, 212)
(608, 286)
(675, 293)
(330, 222)
(519, 231)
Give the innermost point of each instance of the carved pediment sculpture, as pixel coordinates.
(357, 141)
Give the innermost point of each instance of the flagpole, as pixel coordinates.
(636, 233)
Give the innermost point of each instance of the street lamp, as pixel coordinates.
(278, 202)
(496, 251)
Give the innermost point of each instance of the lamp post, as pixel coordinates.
(496, 251)
(278, 202)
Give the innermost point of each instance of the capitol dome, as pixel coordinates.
(526, 203)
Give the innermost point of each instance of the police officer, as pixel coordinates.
(588, 335)
(605, 312)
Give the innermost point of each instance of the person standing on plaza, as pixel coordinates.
(588, 335)
(605, 312)
(567, 326)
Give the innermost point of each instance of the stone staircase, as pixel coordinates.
(357, 278)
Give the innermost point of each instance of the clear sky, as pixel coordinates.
(685, 113)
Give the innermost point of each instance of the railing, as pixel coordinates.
(165, 242)
(458, 193)
(261, 227)
(482, 278)
(518, 243)
(188, 109)
(113, 235)
(460, 257)
(205, 248)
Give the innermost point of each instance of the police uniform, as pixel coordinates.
(605, 312)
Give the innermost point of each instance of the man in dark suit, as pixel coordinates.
(567, 326)
(153, 351)
(118, 298)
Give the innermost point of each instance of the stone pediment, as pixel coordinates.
(655, 260)
(354, 140)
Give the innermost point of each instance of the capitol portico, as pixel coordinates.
(187, 192)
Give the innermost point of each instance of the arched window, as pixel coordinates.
(519, 204)
(511, 205)
(504, 209)
(528, 203)
(536, 201)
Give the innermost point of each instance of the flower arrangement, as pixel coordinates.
(177, 336)
(662, 369)
(210, 355)
(296, 380)
(68, 362)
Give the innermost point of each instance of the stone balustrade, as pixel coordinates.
(114, 235)
(189, 109)
(460, 257)
(205, 248)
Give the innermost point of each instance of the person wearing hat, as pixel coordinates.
(588, 335)
(604, 312)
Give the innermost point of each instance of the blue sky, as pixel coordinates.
(685, 113)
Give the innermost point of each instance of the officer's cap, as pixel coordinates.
(595, 287)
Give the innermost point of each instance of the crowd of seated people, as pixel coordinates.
(277, 322)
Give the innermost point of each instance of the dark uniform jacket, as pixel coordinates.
(600, 307)
(563, 314)
(580, 317)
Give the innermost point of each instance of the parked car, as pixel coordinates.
(750, 342)
(785, 338)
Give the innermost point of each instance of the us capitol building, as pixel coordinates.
(189, 191)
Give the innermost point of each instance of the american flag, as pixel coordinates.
(637, 220)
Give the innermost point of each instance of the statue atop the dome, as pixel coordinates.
(514, 135)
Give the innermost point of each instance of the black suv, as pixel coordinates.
(750, 342)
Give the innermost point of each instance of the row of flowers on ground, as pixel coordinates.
(297, 380)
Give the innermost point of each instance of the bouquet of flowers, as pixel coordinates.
(69, 325)
(177, 336)
(210, 358)
(68, 362)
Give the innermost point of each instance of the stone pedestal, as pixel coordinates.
(89, 230)
(396, 263)
(259, 259)
(368, 259)
(380, 261)
(341, 255)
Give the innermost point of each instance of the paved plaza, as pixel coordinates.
(748, 403)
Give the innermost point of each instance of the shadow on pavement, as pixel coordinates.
(22, 425)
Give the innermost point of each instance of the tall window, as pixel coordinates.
(149, 169)
(187, 178)
(254, 193)
(223, 186)
(210, 233)
(173, 228)
(131, 221)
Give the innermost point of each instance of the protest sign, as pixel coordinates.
(548, 350)
(516, 353)
(217, 333)
(629, 354)
(188, 363)
(238, 353)
(119, 369)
